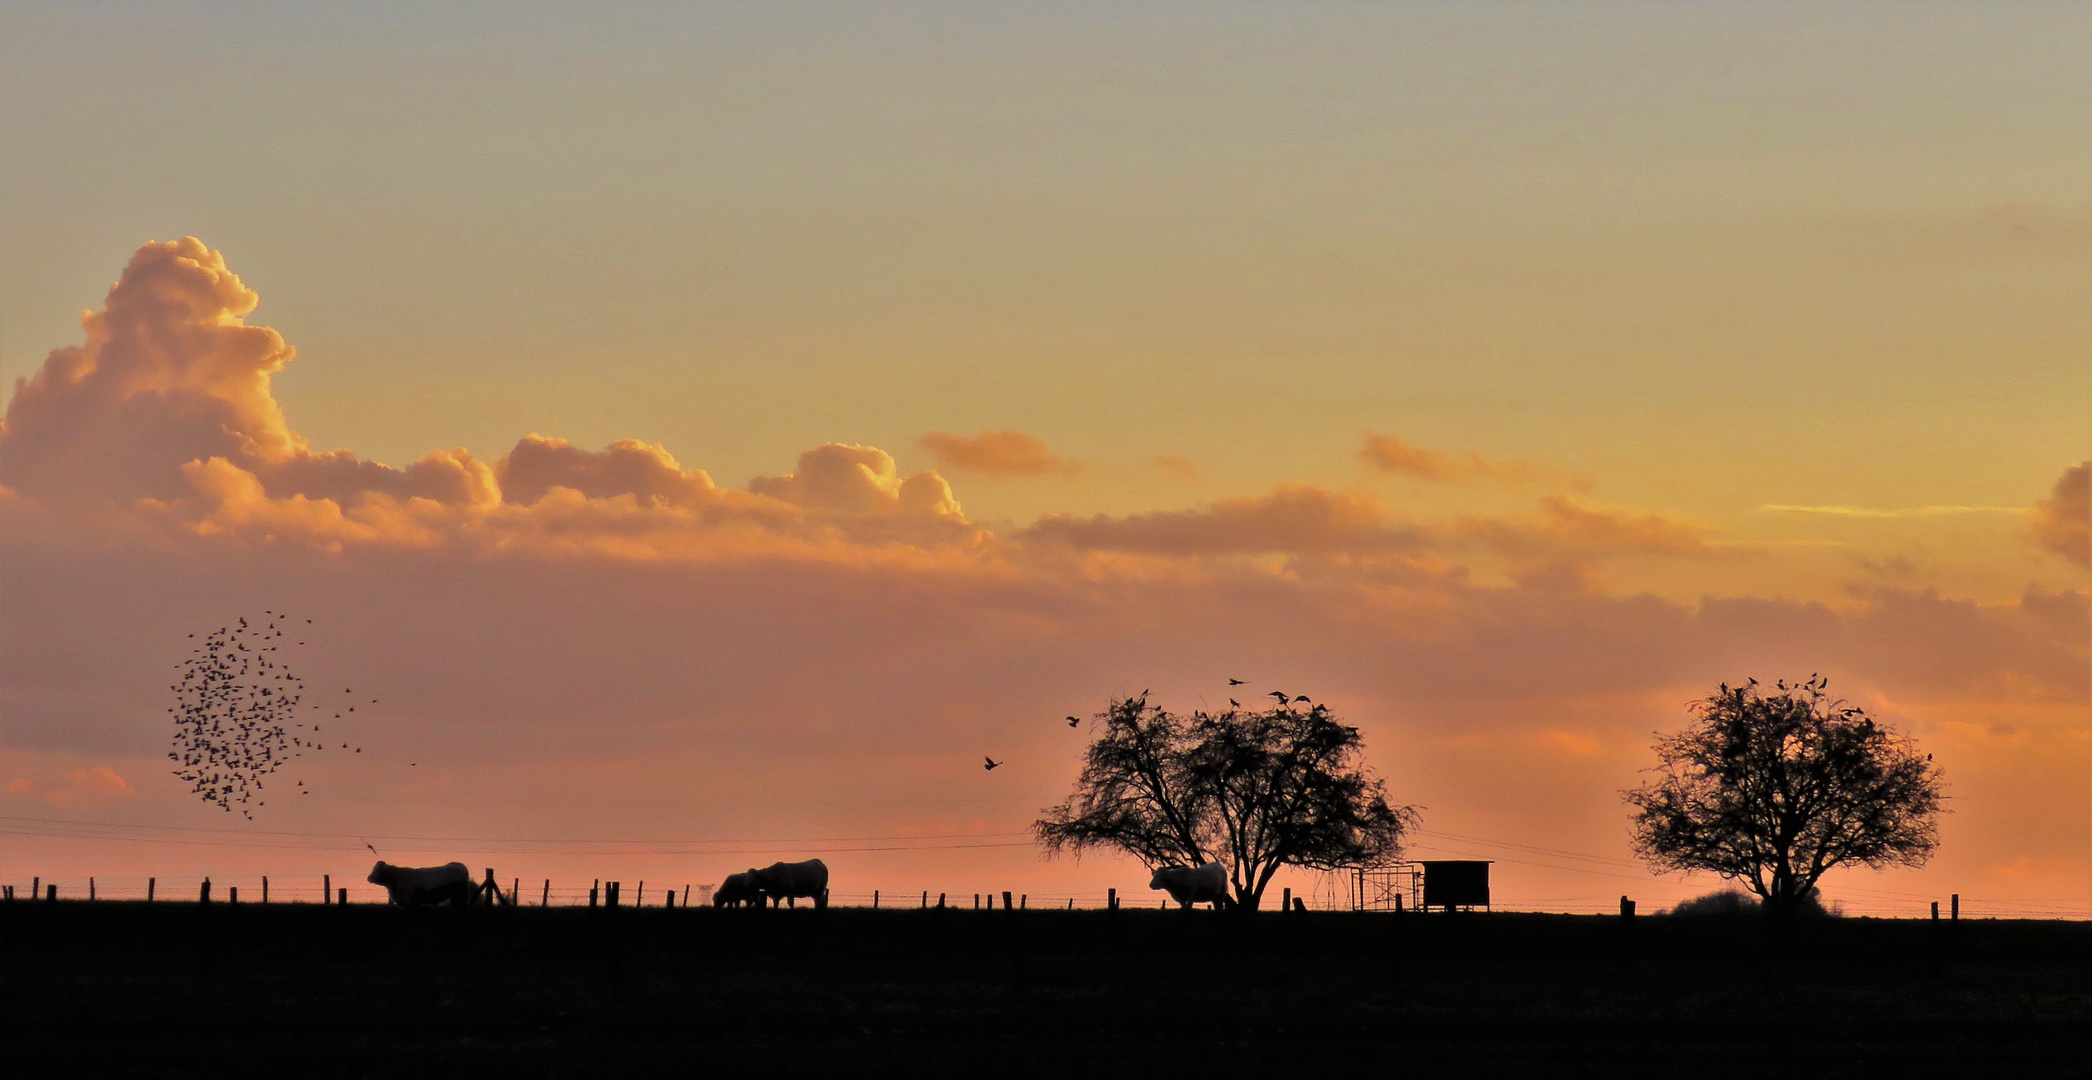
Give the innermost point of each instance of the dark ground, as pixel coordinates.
(252, 991)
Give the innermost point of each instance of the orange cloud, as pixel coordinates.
(1390, 453)
(645, 471)
(171, 373)
(81, 787)
(995, 453)
(1568, 526)
(1178, 466)
(1292, 518)
(2063, 522)
(168, 403)
(1566, 743)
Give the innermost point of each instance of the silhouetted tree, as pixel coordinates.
(1773, 789)
(1254, 791)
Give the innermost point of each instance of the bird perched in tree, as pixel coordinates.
(991, 762)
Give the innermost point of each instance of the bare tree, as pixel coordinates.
(1773, 789)
(1253, 790)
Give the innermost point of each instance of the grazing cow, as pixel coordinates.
(738, 889)
(782, 881)
(413, 887)
(1190, 885)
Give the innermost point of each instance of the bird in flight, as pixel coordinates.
(1234, 682)
(1234, 703)
(1279, 694)
(373, 850)
(991, 762)
(1073, 721)
(1302, 697)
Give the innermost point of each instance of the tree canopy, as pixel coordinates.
(1772, 789)
(1253, 790)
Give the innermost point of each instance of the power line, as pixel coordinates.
(359, 837)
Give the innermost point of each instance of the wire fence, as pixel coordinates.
(667, 893)
(1608, 876)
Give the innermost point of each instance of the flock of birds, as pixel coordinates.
(237, 712)
(1283, 702)
(237, 705)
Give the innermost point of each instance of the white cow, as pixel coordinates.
(413, 887)
(1190, 885)
(738, 889)
(782, 881)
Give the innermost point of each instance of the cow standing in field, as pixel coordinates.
(1190, 885)
(414, 886)
(738, 889)
(781, 882)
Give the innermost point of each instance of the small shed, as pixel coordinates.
(1454, 884)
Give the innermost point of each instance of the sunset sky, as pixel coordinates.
(709, 431)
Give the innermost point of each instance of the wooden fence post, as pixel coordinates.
(639, 894)
(341, 897)
(515, 892)
(265, 888)
(926, 899)
(232, 894)
(51, 894)
(1626, 908)
(1111, 899)
(1935, 911)
(546, 899)
(686, 897)
(90, 888)
(326, 889)
(1285, 904)
(203, 896)
(875, 899)
(1006, 901)
(150, 885)
(1956, 916)
(36, 887)
(1023, 901)
(592, 896)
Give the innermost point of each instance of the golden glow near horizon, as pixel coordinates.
(686, 402)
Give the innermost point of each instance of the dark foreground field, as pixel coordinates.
(253, 991)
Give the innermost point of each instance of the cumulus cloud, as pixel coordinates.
(995, 453)
(859, 489)
(2063, 521)
(171, 373)
(1390, 453)
(645, 471)
(168, 406)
